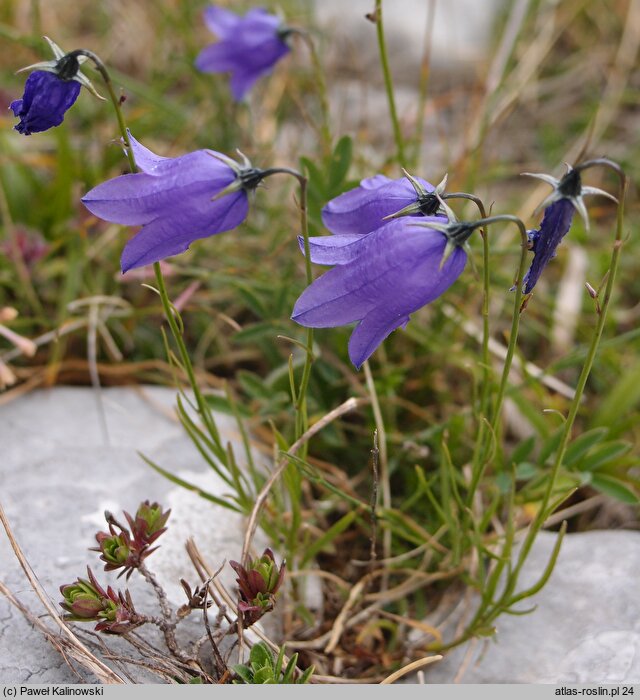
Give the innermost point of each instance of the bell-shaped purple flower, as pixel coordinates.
(365, 208)
(51, 89)
(44, 103)
(544, 241)
(175, 200)
(379, 279)
(559, 207)
(248, 47)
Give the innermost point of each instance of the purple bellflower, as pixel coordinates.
(380, 278)
(377, 199)
(559, 207)
(50, 91)
(248, 47)
(175, 200)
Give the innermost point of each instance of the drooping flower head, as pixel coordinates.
(377, 199)
(248, 47)
(50, 91)
(380, 278)
(559, 207)
(175, 200)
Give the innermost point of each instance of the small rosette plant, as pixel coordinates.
(87, 601)
(125, 549)
(258, 584)
(263, 668)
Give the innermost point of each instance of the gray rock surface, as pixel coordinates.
(586, 626)
(58, 475)
(460, 37)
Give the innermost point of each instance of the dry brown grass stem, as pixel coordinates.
(62, 645)
(415, 624)
(576, 509)
(349, 405)
(340, 622)
(320, 573)
(77, 370)
(76, 648)
(409, 668)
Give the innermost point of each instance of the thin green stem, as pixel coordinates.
(478, 468)
(115, 100)
(302, 422)
(486, 331)
(388, 83)
(170, 315)
(169, 311)
(542, 513)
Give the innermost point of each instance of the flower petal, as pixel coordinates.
(363, 209)
(554, 227)
(188, 182)
(333, 250)
(171, 235)
(398, 266)
(44, 103)
(220, 21)
(147, 161)
(370, 333)
(249, 47)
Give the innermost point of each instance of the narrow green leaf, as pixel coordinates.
(523, 450)
(336, 529)
(255, 332)
(611, 486)
(253, 385)
(604, 455)
(340, 163)
(192, 487)
(622, 400)
(582, 444)
(221, 404)
(260, 656)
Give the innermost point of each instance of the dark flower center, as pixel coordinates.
(428, 204)
(571, 184)
(250, 178)
(283, 32)
(458, 233)
(67, 67)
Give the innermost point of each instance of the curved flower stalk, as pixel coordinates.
(51, 90)
(175, 200)
(248, 47)
(559, 207)
(380, 278)
(379, 198)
